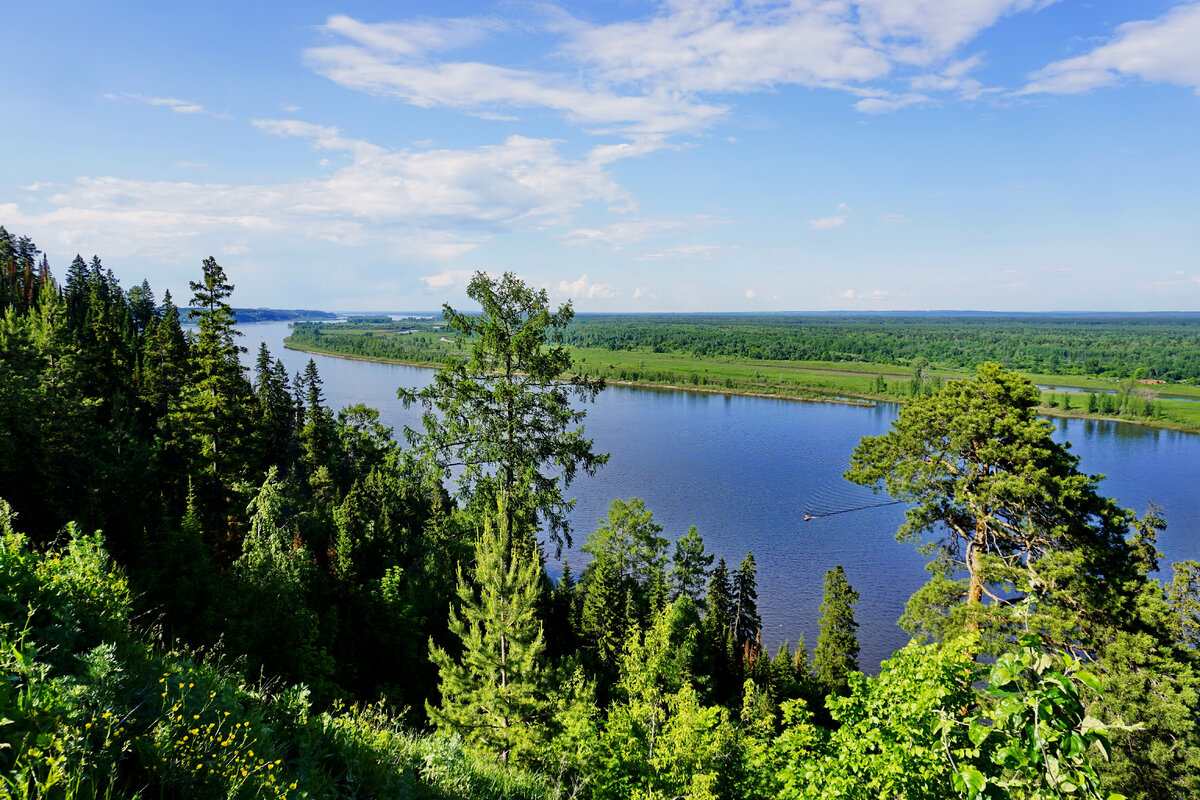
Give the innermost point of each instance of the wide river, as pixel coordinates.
(744, 471)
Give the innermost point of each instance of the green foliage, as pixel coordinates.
(495, 696)
(836, 655)
(690, 567)
(935, 724)
(659, 740)
(504, 416)
(1008, 504)
(1184, 594)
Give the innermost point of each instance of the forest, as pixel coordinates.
(1155, 346)
(214, 585)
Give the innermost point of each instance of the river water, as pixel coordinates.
(745, 470)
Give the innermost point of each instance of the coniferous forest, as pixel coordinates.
(214, 585)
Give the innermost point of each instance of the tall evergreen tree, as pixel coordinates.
(505, 416)
(690, 567)
(220, 388)
(836, 655)
(603, 615)
(744, 619)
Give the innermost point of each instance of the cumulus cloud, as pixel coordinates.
(448, 278)
(174, 104)
(584, 287)
(827, 223)
(1162, 50)
(751, 294)
(433, 203)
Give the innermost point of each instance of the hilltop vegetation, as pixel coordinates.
(213, 585)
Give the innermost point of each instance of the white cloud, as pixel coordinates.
(448, 278)
(683, 252)
(895, 219)
(430, 203)
(176, 105)
(886, 105)
(873, 294)
(1161, 50)
(649, 76)
(827, 223)
(391, 59)
(751, 294)
(643, 292)
(583, 287)
(843, 207)
(618, 235)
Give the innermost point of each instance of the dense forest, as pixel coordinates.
(213, 585)
(1154, 346)
(1163, 346)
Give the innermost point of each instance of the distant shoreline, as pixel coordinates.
(864, 402)
(846, 398)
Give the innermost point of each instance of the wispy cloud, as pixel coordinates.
(673, 71)
(622, 233)
(827, 223)
(1161, 50)
(173, 103)
(683, 252)
(871, 294)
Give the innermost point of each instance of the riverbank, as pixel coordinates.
(843, 384)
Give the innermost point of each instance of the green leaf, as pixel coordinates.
(974, 779)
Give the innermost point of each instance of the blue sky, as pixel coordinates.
(678, 156)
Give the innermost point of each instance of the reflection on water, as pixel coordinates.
(744, 470)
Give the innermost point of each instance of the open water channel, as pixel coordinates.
(745, 470)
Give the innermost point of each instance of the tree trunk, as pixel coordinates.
(975, 587)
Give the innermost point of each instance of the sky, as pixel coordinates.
(686, 155)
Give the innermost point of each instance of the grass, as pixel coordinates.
(826, 381)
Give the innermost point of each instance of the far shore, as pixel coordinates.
(844, 398)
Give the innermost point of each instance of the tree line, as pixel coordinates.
(299, 573)
(1162, 346)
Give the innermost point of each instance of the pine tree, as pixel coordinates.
(494, 696)
(836, 655)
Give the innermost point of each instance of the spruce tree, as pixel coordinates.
(603, 622)
(495, 695)
(744, 619)
(690, 567)
(836, 655)
(214, 405)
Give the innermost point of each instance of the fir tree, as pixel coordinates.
(690, 567)
(219, 388)
(744, 620)
(603, 616)
(836, 655)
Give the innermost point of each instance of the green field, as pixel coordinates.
(825, 381)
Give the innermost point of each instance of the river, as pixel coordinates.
(744, 470)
